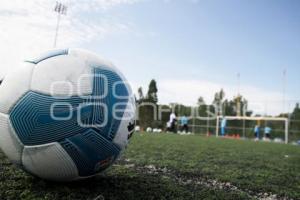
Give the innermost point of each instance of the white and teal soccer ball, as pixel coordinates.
(65, 115)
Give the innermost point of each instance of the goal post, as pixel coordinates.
(246, 118)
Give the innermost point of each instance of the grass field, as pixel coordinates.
(168, 166)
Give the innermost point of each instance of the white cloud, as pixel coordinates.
(28, 27)
(82, 5)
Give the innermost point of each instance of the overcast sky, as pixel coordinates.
(191, 47)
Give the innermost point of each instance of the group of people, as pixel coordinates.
(267, 129)
(267, 132)
(171, 124)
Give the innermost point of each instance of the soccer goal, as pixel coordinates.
(244, 126)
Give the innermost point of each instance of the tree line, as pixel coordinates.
(152, 114)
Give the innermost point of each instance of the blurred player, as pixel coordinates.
(223, 126)
(268, 132)
(184, 124)
(172, 121)
(256, 131)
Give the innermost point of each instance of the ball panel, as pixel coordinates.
(35, 125)
(91, 59)
(9, 142)
(14, 86)
(121, 138)
(126, 127)
(47, 55)
(50, 162)
(62, 76)
(91, 152)
(110, 101)
(96, 61)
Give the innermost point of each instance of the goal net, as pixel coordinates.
(266, 128)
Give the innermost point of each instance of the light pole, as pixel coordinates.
(283, 90)
(239, 83)
(61, 10)
(238, 113)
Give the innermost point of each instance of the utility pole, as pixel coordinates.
(283, 90)
(238, 109)
(239, 83)
(61, 10)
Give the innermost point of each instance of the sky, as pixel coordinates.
(191, 48)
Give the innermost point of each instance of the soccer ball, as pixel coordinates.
(66, 115)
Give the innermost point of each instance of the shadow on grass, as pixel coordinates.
(119, 182)
(110, 187)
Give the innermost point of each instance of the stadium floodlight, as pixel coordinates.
(282, 119)
(61, 10)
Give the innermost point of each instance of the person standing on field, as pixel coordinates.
(223, 126)
(184, 124)
(173, 122)
(256, 131)
(268, 132)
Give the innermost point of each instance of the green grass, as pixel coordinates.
(256, 166)
(167, 166)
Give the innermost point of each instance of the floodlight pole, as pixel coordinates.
(284, 106)
(61, 10)
(207, 124)
(56, 31)
(217, 126)
(286, 131)
(193, 130)
(239, 103)
(244, 122)
(239, 83)
(283, 90)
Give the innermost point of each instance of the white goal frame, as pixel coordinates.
(285, 120)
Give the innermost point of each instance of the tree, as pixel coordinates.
(201, 101)
(218, 102)
(141, 95)
(202, 107)
(295, 123)
(152, 92)
(238, 106)
(148, 109)
(219, 96)
(297, 108)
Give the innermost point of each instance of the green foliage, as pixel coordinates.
(152, 92)
(201, 101)
(181, 110)
(141, 95)
(295, 124)
(147, 107)
(146, 114)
